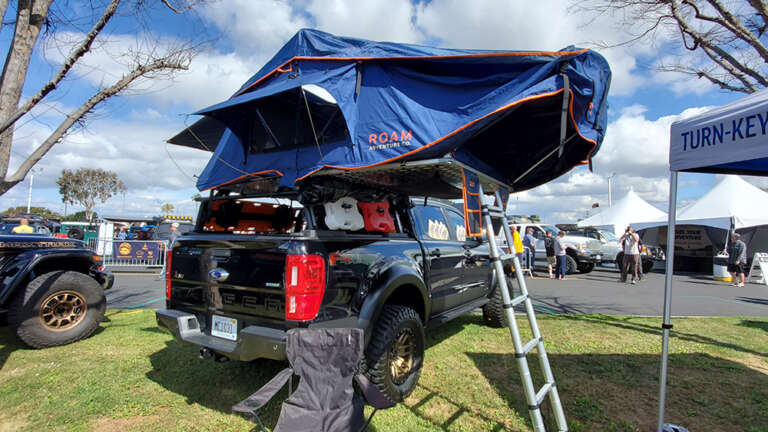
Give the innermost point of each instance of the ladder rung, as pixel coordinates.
(542, 393)
(492, 208)
(516, 301)
(496, 214)
(528, 347)
(505, 257)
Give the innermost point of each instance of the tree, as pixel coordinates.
(79, 217)
(88, 187)
(35, 16)
(725, 39)
(534, 218)
(167, 208)
(41, 211)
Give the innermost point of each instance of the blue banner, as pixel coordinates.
(138, 250)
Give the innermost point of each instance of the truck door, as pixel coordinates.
(476, 263)
(444, 256)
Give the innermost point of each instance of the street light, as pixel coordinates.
(610, 177)
(29, 194)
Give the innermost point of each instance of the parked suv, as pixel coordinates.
(51, 289)
(582, 253)
(252, 270)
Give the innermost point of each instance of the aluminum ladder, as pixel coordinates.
(533, 397)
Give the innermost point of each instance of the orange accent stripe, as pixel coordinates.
(244, 176)
(503, 108)
(281, 70)
(502, 54)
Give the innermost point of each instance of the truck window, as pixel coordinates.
(456, 226)
(248, 217)
(538, 233)
(432, 223)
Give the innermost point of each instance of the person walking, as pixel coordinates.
(529, 243)
(549, 248)
(630, 241)
(560, 255)
(737, 257)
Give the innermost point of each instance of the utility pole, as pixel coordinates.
(29, 193)
(610, 177)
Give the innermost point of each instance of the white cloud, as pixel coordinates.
(390, 20)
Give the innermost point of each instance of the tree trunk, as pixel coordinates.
(30, 16)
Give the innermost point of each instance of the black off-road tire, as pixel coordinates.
(24, 316)
(392, 323)
(571, 266)
(493, 311)
(586, 267)
(76, 233)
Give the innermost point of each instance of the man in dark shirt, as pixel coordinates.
(737, 258)
(549, 247)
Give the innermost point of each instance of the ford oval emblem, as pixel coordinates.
(218, 274)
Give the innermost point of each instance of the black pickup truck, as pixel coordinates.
(250, 271)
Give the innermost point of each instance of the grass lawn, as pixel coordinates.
(132, 376)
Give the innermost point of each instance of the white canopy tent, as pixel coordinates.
(732, 203)
(626, 211)
(731, 139)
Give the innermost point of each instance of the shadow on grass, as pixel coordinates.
(625, 323)
(762, 325)
(614, 392)
(217, 386)
(8, 344)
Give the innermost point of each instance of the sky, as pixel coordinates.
(127, 134)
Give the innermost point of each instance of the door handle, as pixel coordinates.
(434, 252)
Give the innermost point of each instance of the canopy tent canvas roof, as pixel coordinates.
(730, 140)
(628, 210)
(497, 112)
(730, 200)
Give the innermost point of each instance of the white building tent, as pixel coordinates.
(732, 203)
(731, 139)
(626, 211)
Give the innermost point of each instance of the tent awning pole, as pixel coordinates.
(670, 265)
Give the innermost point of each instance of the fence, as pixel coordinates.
(134, 254)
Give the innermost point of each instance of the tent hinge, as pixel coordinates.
(564, 112)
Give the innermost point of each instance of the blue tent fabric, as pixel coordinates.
(496, 111)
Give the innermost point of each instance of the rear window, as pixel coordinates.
(248, 217)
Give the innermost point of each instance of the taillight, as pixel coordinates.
(168, 255)
(304, 286)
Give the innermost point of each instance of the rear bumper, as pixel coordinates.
(253, 342)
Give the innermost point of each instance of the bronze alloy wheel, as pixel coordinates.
(401, 356)
(63, 310)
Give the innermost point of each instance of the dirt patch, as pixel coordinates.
(121, 424)
(13, 424)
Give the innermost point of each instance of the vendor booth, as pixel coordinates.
(727, 140)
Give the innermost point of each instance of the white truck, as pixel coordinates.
(582, 253)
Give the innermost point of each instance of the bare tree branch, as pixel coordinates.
(80, 51)
(174, 61)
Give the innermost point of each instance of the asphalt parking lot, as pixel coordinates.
(596, 292)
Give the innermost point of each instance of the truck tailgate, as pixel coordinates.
(232, 276)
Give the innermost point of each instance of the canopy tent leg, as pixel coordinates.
(564, 113)
(670, 265)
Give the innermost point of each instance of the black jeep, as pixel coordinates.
(51, 289)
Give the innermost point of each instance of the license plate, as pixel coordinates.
(224, 327)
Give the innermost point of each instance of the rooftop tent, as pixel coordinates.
(378, 103)
(730, 139)
(626, 211)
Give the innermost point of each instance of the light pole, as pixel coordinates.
(29, 194)
(610, 177)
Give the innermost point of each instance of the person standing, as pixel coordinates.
(174, 233)
(737, 257)
(630, 241)
(518, 244)
(560, 255)
(529, 243)
(23, 227)
(122, 234)
(549, 248)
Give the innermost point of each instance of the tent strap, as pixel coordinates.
(564, 112)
